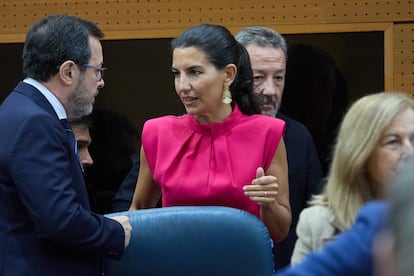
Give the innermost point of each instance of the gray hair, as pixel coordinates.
(263, 37)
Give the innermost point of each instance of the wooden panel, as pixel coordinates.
(167, 18)
(404, 58)
(389, 58)
(131, 19)
(369, 11)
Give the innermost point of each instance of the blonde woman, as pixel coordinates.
(376, 134)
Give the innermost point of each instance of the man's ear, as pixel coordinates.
(68, 72)
(230, 74)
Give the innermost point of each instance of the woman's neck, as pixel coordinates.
(215, 117)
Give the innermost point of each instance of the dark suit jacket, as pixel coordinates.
(123, 197)
(46, 227)
(305, 179)
(351, 252)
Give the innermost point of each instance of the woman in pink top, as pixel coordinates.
(222, 152)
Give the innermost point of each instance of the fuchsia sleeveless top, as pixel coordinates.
(208, 164)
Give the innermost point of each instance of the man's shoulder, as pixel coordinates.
(375, 211)
(293, 125)
(295, 132)
(374, 206)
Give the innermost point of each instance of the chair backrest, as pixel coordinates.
(202, 240)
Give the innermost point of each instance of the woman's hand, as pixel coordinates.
(263, 189)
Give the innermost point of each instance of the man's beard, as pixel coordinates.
(265, 101)
(78, 105)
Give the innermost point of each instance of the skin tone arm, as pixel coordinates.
(272, 194)
(275, 208)
(147, 192)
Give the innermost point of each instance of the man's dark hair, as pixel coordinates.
(84, 121)
(54, 40)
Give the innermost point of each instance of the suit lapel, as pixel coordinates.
(41, 100)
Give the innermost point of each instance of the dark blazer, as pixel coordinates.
(351, 252)
(305, 179)
(46, 227)
(123, 197)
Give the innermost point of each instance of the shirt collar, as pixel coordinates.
(51, 98)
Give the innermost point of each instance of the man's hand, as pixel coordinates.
(124, 221)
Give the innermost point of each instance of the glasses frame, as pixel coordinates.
(99, 71)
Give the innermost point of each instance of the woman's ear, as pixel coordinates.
(230, 74)
(68, 72)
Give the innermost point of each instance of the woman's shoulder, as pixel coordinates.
(162, 127)
(316, 221)
(263, 122)
(266, 118)
(166, 118)
(317, 213)
(165, 121)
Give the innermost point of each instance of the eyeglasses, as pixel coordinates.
(98, 70)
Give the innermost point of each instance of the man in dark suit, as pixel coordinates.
(123, 197)
(268, 51)
(46, 226)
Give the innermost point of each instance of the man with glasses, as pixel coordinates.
(46, 223)
(98, 70)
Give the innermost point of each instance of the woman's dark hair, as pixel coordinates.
(221, 49)
(54, 40)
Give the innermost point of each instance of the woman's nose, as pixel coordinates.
(182, 83)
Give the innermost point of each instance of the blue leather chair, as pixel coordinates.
(204, 240)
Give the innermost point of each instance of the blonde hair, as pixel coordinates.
(363, 126)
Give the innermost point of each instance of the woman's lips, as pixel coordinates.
(189, 100)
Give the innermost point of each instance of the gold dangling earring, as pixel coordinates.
(227, 95)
